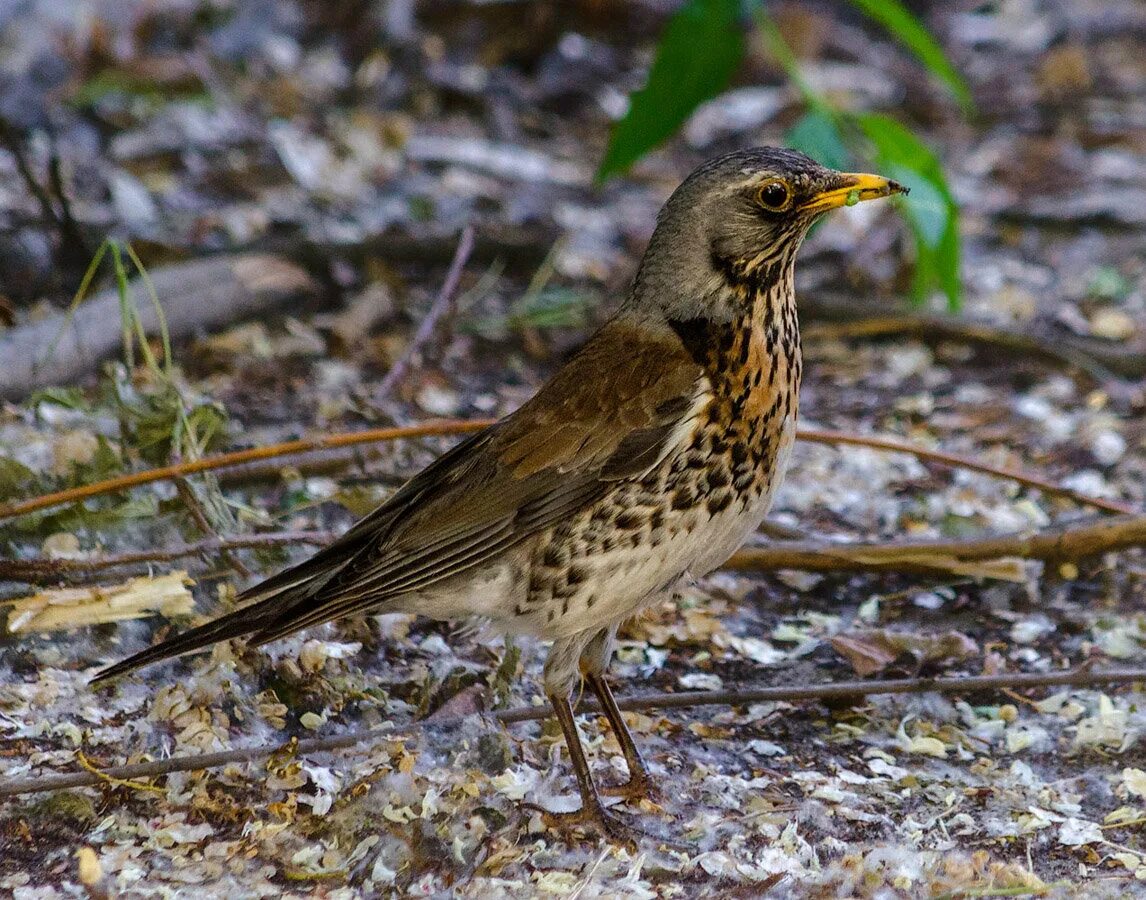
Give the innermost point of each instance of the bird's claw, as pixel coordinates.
(597, 818)
(637, 788)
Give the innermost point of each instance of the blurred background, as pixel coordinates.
(359, 137)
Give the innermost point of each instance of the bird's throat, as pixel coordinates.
(750, 348)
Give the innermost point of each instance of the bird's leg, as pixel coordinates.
(559, 679)
(639, 786)
(591, 811)
(594, 661)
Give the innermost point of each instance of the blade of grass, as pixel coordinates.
(81, 293)
(930, 207)
(132, 324)
(160, 315)
(913, 34)
(699, 50)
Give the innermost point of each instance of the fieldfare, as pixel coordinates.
(647, 459)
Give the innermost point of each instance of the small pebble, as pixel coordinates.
(1108, 447)
(1112, 324)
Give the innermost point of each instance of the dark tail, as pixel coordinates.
(284, 603)
(235, 624)
(267, 605)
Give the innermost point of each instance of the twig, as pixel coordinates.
(1061, 543)
(235, 458)
(466, 426)
(42, 569)
(207, 527)
(935, 328)
(74, 248)
(957, 461)
(11, 141)
(843, 690)
(442, 304)
(838, 316)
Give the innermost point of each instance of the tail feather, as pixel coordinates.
(268, 608)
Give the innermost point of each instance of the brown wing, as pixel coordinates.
(611, 413)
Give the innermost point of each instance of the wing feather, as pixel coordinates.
(613, 412)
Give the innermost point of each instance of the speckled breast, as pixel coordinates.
(687, 515)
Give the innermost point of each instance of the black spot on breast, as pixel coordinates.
(719, 502)
(717, 445)
(630, 519)
(717, 478)
(553, 557)
(684, 498)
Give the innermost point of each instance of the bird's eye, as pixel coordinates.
(774, 195)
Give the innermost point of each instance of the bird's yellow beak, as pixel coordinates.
(850, 189)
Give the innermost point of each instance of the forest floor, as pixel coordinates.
(357, 146)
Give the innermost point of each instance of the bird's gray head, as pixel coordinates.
(740, 217)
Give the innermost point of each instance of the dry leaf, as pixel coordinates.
(874, 650)
(63, 608)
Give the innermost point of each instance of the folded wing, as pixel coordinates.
(612, 413)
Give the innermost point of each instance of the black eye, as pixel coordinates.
(774, 195)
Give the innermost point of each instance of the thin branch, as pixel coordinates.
(467, 426)
(1061, 543)
(835, 315)
(74, 248)
(957, 461)
(206, 526)
(50, 569)
(235, 458)
(1081, 677)
(442, 305)
(1100, 362)
(12, 142)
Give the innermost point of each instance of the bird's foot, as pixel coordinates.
(638, 787)
(595, 817)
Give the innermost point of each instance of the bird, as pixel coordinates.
(645, 461)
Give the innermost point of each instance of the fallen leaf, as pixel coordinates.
(63, 608)
(871, 651)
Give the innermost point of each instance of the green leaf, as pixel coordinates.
(913, 34)
(699, 51)
(818, 135)
(930, 207)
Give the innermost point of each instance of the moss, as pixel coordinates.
(494, 753)
(65, 807)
